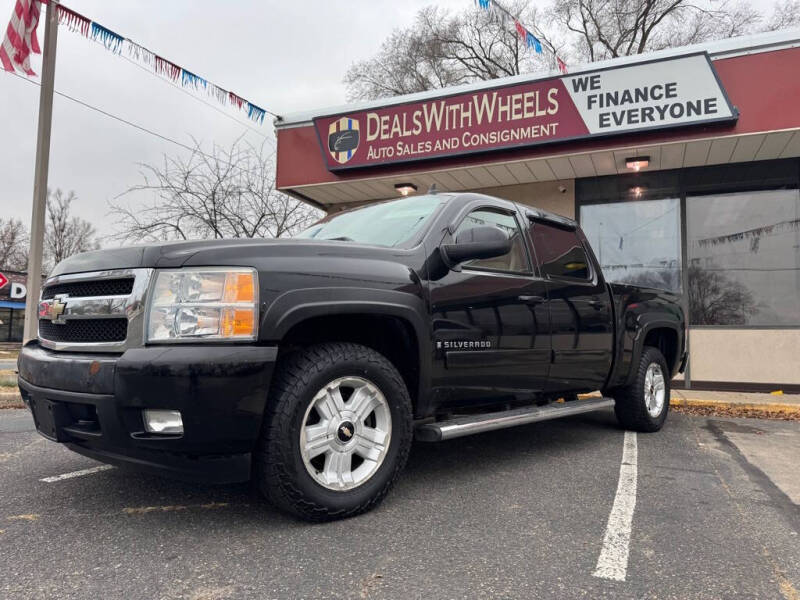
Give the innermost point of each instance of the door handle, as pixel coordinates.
(598, 304)
(531, 299)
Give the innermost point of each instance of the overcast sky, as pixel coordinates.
(283, 56)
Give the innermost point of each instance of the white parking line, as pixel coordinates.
(613, 560)
(97, 469)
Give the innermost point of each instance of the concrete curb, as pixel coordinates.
(777, 408)
(767, 407)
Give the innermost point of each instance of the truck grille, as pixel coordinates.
(82, 331)
(102, 287)
(97, 311)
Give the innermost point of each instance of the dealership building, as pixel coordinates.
(682, 166)
(13, 291)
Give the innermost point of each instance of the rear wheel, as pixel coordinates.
(643, 405)
(337, 434)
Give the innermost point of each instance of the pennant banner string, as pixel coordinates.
(159, 65)
(529, 38)
(217, 94)
(73, 20)
(112, 41)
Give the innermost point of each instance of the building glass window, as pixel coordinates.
(744, 258)
(17, 325)
(5, 324)
(637, 242)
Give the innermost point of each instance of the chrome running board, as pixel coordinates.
(469, 424)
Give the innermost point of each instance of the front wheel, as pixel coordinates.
(643, 405)
(337, 434)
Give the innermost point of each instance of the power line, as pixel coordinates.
(130, 123)
(653, 220)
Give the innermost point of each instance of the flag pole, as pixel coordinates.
(40, 175)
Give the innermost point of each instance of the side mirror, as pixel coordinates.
(476, 243)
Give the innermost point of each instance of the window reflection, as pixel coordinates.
(637, 242)
(744, 258)
(560, 252)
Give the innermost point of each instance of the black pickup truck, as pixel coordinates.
(310, 364)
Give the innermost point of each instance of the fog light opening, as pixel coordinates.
(162, 421)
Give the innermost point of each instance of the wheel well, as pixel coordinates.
(392, 336)
(666, 340)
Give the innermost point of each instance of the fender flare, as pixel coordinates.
(641, 335)
(295, 306)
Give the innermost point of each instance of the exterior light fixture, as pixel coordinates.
(637, 191)
(637, 163)
(405, 188)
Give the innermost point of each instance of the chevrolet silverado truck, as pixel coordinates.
(309, 364)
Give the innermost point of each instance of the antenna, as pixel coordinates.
(432, 189)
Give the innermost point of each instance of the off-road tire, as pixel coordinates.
(630, 407)
(279, 470)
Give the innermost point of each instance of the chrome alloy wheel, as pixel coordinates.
(346, 432)
(654, 390)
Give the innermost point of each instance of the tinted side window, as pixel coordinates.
(516, 260)
(559, 252)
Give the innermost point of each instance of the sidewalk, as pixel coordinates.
(768, 403)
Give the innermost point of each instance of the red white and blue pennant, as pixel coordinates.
(119, 44)
(528, 38)
(21, 41)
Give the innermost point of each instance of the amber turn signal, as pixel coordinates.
(239, 287)
(238, 322)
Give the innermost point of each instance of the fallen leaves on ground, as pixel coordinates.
(735, 412)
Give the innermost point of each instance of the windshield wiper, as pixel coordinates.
(341, 238)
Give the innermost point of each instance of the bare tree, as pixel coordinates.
(227, 193)
(440, 50)
(715, 299)
(785, 14)
(611, 28)
(13, 245)
(65, 233)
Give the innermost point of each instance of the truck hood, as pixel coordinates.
(241, 252)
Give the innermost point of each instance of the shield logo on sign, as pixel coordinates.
(343, 138)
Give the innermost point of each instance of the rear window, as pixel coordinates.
(559, 252)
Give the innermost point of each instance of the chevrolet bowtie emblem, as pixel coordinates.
(54, 310)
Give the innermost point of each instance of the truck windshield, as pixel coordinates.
(384, 224)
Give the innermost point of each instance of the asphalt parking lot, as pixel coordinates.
(708, 508)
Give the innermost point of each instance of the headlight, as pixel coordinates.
(203, 304)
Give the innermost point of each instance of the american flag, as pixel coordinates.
(20, 40)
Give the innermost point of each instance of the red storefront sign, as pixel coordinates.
(644, 96)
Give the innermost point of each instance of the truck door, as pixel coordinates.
(580, 308)
(490, 319)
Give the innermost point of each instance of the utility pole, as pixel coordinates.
(40, 175)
